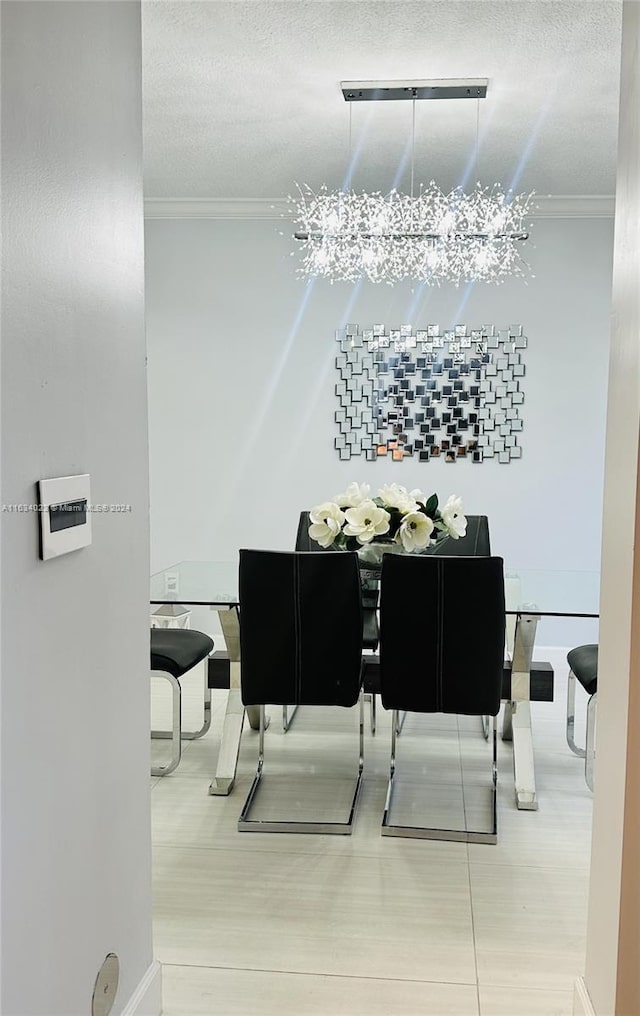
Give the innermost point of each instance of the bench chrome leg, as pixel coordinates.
(590, 750)
(176, 740)
(192, 735)
(571, 716)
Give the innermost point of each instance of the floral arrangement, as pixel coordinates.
(397, 519)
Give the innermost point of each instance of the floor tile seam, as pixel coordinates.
(373, 856)
(526, 987)
(492, 865)
(233, 850)
(473, 932)
(188, 776)
(537, 867)
(571, 902)
(528, 911)
(510, 950)
(314, 973)
(297, 852)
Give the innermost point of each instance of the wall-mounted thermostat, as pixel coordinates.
(65, 515)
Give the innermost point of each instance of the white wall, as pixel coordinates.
(612, 972)
(241, 391)
(75, 651)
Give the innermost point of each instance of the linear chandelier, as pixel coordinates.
(430, 237)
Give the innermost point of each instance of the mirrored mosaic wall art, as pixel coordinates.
(430, 393)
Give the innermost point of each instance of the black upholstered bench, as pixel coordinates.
(541, 679)
(542, 676)
(219, 670)
(175, 651)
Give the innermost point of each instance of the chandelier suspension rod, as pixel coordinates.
(413, 142)
(350, 163)
(477, 158)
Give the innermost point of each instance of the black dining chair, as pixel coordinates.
(300, 644)
(474, 543)
(583, 666)
(442, 628)
(174, 652)
(370, 629)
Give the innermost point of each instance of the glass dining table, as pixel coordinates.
(530, 595)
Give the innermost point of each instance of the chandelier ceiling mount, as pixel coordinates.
(437, 88)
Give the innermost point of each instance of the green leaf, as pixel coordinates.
(431, 506)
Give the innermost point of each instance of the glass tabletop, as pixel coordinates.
(544, 592)
(197, 583)
(552, 593)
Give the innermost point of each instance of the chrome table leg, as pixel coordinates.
(518, 712)
(507, 722)
(523, 764)
(223, 781)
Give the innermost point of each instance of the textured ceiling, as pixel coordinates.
(242, 97)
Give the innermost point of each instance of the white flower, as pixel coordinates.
(453, 518)
(418, 496)
(366, 521)
(415, 531)
(396, 496)
(354, 495)
(327, 519)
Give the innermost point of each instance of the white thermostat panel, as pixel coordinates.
(65, 515)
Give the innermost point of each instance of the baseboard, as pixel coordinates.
(147, 998)
(582, 1005)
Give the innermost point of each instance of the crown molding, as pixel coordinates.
(573, 206)
(215, 208)
(548, 206)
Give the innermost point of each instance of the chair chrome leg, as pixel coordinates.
(176, 740)
(571, 716)
(485, 727)
(494, 792)
(392, 771)
(423, 832)
(246, 824)
(400, 718)
(590, 750)
(287, 718)
(258, 776)
(361, 741)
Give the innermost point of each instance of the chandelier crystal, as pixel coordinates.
(431, 238)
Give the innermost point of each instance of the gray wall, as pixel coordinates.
(75, 653)
(241, 395)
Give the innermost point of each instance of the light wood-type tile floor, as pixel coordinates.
(308, 925)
